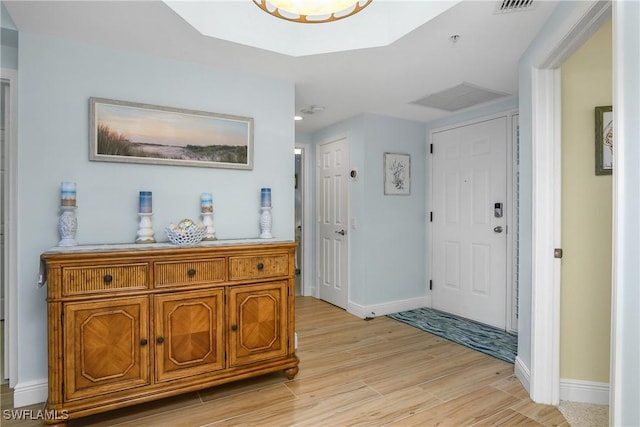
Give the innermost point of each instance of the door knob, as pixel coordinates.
(341, 232)
(498, 229)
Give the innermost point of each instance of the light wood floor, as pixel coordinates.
(352, 372)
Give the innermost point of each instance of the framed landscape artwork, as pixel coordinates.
(139, 133)
(604, 140)
(397, 174)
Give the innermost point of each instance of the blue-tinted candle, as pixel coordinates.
(206, 202)
(145, 202)
(68, 193)
(265, 197)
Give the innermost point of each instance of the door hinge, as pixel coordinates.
(431, 148)
(431, 216)
(430, 285)
(557, 253)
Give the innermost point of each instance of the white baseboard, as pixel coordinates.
(522, 373)
(385, 308)
(584, 391)
(30, 392)
(571, 390)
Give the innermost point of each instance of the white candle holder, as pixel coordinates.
(145, 229)
(207, 220)
(265, 222)
(67, 226)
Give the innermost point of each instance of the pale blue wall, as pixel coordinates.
(387, 250)
(394, 238)
(5, 18)
(9, 40)
(57, 77)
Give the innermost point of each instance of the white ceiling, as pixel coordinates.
(383, 80)
(239, 21)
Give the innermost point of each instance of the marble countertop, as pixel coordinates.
(164, 245)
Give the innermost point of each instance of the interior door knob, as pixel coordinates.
(498, 229)
(341, 232)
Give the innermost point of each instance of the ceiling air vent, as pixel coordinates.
(514, 5)
(464, 95)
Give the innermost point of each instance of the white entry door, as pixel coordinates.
(332, 216)
(469, 221)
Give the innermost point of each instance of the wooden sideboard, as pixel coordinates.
(130, 324)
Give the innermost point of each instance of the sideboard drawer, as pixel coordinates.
(180, 273)
(82, 280)
(259, 266)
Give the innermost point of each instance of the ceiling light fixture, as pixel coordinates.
(312, 11)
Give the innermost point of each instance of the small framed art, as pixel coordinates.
(397, 174)
(604, 140)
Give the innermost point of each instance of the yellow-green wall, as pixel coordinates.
(586, 216)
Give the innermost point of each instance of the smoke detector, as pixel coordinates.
(313, 109)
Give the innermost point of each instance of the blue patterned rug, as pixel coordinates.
(483, 338)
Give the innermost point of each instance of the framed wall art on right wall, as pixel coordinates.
(397, 174)
(604, 140)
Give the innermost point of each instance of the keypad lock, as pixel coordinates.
(497, 210)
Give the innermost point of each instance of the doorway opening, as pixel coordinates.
(4, 123)
(299, 217)
(8, 246)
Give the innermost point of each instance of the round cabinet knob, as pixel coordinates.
(234, 327)
(143, 342)
(260, 266)
(107, 278)
(191, 272)
(160, 340)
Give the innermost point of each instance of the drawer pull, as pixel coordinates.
(234, 327)
(160, 340)
(191, 272)
(143, 342)
(107, 278)
(260, 266)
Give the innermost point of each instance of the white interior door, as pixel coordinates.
(469, 221)
(332, 214)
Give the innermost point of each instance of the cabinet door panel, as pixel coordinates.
(258, 322)
(105, 346)
(189, 334)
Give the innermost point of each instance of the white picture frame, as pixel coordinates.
(129, 132)
(397, 174)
